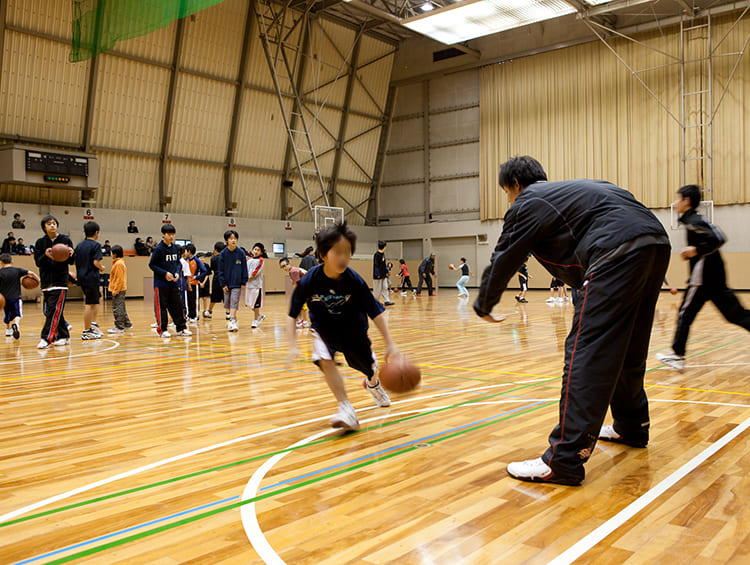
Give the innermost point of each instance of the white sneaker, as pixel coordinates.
(165, 334)
(115, 331)
(345, 418)
(254, 324)
(537, 471)
(262, 317)
(233, 326)
(43, 344)
(378, 393)
(608, 433)
(673, 360)
(154, 325)
(184, 333)
(94, 329)
(8, 332)
(62, 341)
(559, 300)
(550, 299)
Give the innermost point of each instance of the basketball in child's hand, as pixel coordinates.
(60, 252)
(673, 290)
(2, 301)
(29, 282)
(452, 267)
(399, 375)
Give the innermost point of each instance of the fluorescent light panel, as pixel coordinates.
(476, 18)
(597, 2)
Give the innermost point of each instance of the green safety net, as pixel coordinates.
(99, 24)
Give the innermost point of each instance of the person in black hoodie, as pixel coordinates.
(165, 263)
(54, 277)
(708, 279)
(596, 237)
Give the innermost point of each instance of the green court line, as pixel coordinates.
(699, 353)
(251, 459)
(283, 490)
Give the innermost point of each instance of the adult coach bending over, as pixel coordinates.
(595, 237)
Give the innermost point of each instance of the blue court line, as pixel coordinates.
(401, 446)
(233, 498)
(125, 531)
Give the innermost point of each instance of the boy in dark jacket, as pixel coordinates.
(54, 277)
(594, 236)
(707, 276)
(232, 276)
(165, 263)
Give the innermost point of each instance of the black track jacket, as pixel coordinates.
(571, 227)
(706, 268)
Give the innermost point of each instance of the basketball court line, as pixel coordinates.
(70, 355)
(242, 504)
(592, 539)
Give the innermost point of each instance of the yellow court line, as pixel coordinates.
(700, 390)
(486, 371)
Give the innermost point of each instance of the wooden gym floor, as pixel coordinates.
(210, 450)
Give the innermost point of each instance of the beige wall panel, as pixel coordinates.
(457, 195)
(331, 46)
(406, 134)
(202, 118)
(157, 46)
(455, 125)
(33, 194)
(258, 195)
(375, 78)
(43, 95)
(261, 135)
(404, 167)
(446, 161)
(131, 99)
(409, 100)
(319, 94)
(257, 72)
(195, 189)
(364, 148)
(355, 194)
(402, 200)
(128, 182)
(53, 17)
(213, 39)
(323, 131)
(456, 89)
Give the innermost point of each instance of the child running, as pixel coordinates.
(463, 279)
(340, 302)
(405, 278)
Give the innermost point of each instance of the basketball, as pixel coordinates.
(673, 291)
(452, 267)
(2, 301)
(29, 282)
(60, 252)
(400, 375)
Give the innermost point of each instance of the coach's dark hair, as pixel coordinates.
(47, 219)
(117, 251)
(90, 229)
(524, 169)
(5, 258)
(229, 233)
(168, 228)
(693, 192)
(331, 235)
(381, 244)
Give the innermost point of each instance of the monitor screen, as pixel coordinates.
(279, 249)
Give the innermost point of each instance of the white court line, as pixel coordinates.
(68, 356)
(155, 464)
(589, 541)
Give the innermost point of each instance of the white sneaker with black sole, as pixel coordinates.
(673, 360)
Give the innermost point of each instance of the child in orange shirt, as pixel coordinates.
(118, 284)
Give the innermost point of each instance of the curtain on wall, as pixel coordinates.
(581, 113)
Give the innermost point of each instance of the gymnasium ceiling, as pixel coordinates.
(383, 17)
